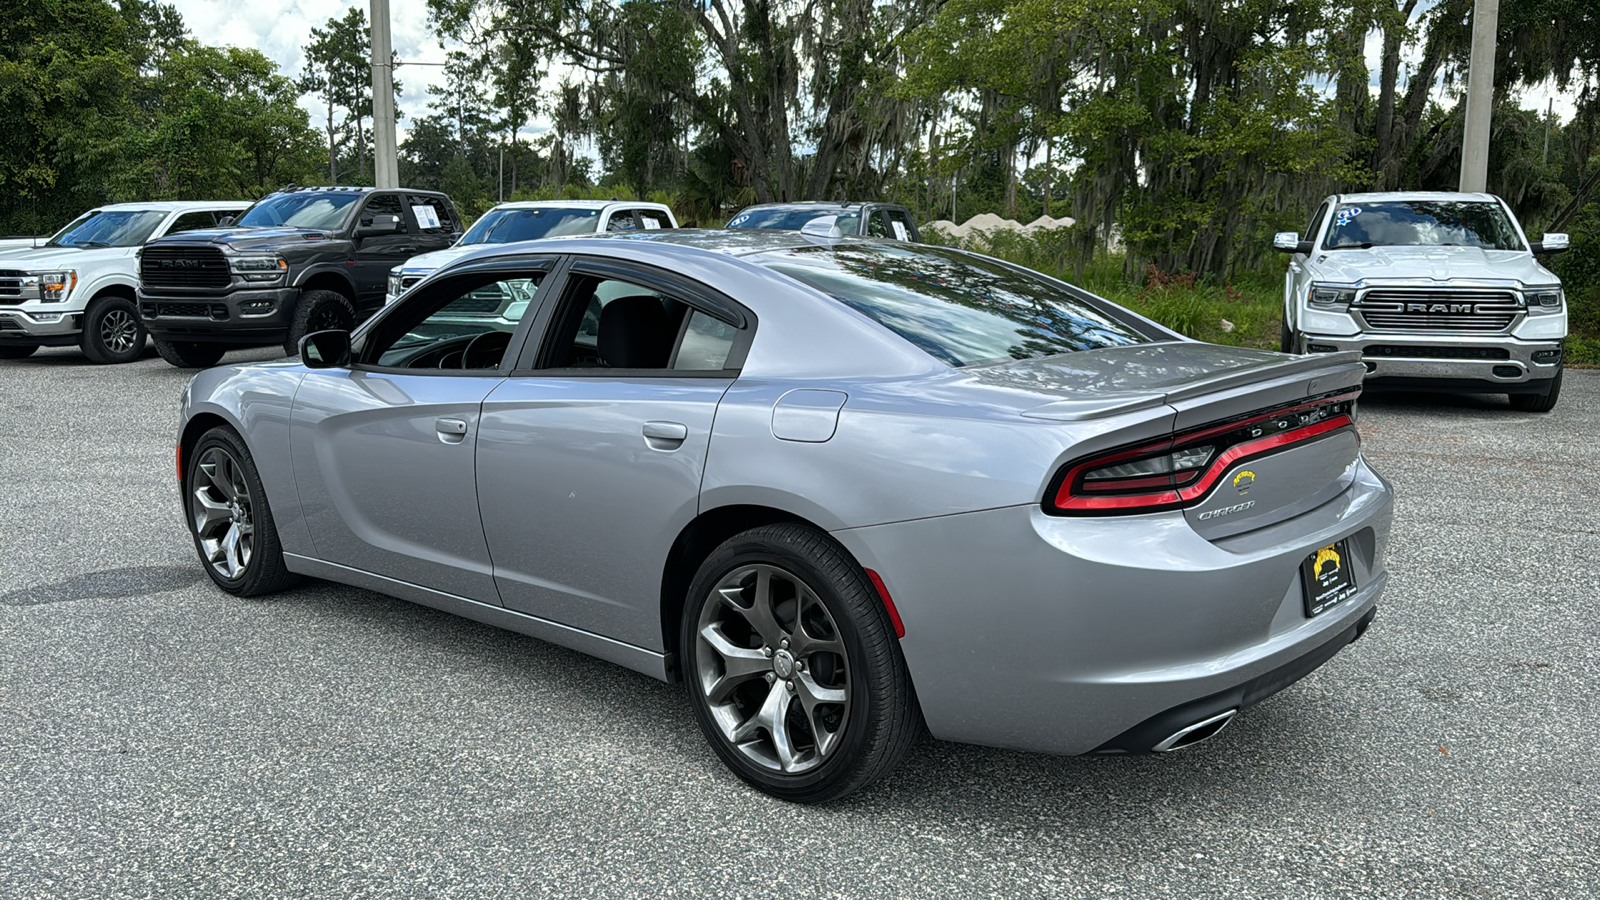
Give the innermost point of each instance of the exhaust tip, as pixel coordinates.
(1194, 734)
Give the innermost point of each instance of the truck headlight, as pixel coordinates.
(55, 286)
(1544, 300)
(259, 268)
(1327, 296)
(394, 283)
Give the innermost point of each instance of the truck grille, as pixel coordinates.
(1439, 312)
(1410, 351)
(406, 281)
(10, 286)
(186, 266)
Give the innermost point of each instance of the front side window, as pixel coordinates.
(108, 228)
(383, 205)
(1422, 223)
(462, 324)
(960, 309)
(505, 226)
(319, 211)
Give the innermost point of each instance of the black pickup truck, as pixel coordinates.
(299, 260)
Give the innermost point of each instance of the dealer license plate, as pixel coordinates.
(1328, 577)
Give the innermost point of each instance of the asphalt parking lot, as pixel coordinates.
(160, 738)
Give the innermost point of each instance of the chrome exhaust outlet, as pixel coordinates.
(1194, 734)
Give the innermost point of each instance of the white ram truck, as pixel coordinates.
(78, 287)
(1439, 291)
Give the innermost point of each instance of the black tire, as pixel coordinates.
(190, 354)
(112, 332)
(876, 725)
(263, 572)
(17, 351)
(318, 311)
(1540, 402)
(1287, 338)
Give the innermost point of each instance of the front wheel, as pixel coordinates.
(1287, 339)
(112, 332)
(190, 354)
(1543, 401)
(792, 666)
(318, 311)
(229, 518)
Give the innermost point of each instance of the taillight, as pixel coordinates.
(1179, 471)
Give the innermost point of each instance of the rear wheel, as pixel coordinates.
(229, 518)
(112, 332)
(792, 667)
(318, 311)
(190, 354)
(1287, 339)
(1543, 401)
(17, 351)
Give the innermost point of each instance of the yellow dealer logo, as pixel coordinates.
(1329, 557)
(1243, 480)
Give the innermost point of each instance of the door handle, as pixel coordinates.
(665, 435)
(451, 431)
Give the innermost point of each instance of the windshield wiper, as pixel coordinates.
(96, 244)
(1366, 246)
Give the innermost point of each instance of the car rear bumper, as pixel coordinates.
(1489, 363)
(1064, 635)
(245, 317)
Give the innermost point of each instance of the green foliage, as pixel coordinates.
(1579, 269)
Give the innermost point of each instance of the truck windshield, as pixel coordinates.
(960, 309)
(320, 211)
(1422, 223)
(780, 219)
(110, 228)
(505, 226)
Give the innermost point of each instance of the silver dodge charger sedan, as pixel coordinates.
(839, 487)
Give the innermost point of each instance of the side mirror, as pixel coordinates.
(1553, 242)
(1289, 242)
(325, 349)
(225, 221)
(382, 223)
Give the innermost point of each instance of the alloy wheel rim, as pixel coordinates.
(772, 669)
(222, 511)
(326, 319)
(118, 331)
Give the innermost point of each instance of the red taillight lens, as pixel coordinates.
(1179, 471)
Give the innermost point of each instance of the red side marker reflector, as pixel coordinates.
(888, 603)
(180, 463)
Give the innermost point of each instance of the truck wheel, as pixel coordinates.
(112, 332)
(318, 311)
(1540, 402)
(190, 354)
(1287, 338)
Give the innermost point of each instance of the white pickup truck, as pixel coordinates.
(1439, 291)
(78, 287)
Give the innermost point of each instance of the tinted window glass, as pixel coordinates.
(297, 210)
(431, 336)
(117, 228)
(383, 205)
(706, 344)
(878, 225)
(785, 219)
(504, 226)
(651, 219)
(899, 224)
(622, 220)
(1430, 223)
(1316, 223)
(959, 309)
(432, 215)
(193, 221)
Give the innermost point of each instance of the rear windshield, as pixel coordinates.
(505, 226)
(315, 211)
(960, 309)
(1422, 223)
(793, 219)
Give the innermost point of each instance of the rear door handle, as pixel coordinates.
(665, 435)
(451, 431)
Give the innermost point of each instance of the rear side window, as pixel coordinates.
(432, 215)
(652, 219)
(960, 309)
(193, 221)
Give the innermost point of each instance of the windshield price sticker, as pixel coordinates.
(427, 216)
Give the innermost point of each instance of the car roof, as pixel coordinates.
(1380, 196)
(730, 242)
(175, 205)
(577, 204)
(812, 204)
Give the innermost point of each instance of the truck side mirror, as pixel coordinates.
(1553, 242)
(225, 221)
(382, 223)
(1289, 242)
(325, 349)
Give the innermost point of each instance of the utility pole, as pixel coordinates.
(385, 165)
(1480, 97)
